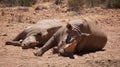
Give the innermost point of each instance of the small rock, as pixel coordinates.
(5, 34)
(49, 57)
(7, 25)
(33, 22)
(109, 60)
(37, 8)
(48, 65)
(2, 13)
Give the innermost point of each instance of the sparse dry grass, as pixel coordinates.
(77, 4)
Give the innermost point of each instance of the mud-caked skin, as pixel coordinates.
(78, 35)
(36, 34)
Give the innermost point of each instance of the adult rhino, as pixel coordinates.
(78, 35)
(36, 34)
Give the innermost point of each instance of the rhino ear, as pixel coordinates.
(69, 26)
(43, 33)
(39, 34)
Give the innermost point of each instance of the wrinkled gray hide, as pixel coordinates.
(36, 34)
(78, 35)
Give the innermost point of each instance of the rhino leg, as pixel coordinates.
(50, 43)
(15, 43)
(17, 40)
(55, 50)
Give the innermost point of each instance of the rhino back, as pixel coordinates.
(46, 27)
(43, 26)
(97, 39)
(49, 23)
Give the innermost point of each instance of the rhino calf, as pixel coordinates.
(36, 34)
(78, 35)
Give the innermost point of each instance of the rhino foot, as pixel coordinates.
(55, 50)
(38, 52)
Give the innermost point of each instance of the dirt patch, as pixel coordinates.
(15, 19)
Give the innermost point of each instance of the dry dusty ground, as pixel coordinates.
(15, 19)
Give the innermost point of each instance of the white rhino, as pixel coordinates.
(77, 36)
(36, 34)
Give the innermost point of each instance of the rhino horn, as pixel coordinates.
(85, 34)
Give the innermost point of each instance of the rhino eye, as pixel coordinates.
(69, 39)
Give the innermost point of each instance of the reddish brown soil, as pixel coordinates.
(15, 19)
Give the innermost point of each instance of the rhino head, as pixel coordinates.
(32, 39)
(70, 39)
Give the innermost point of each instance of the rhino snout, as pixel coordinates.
(23, 46)
(28, 45)
(68, 49)
(62, 52)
